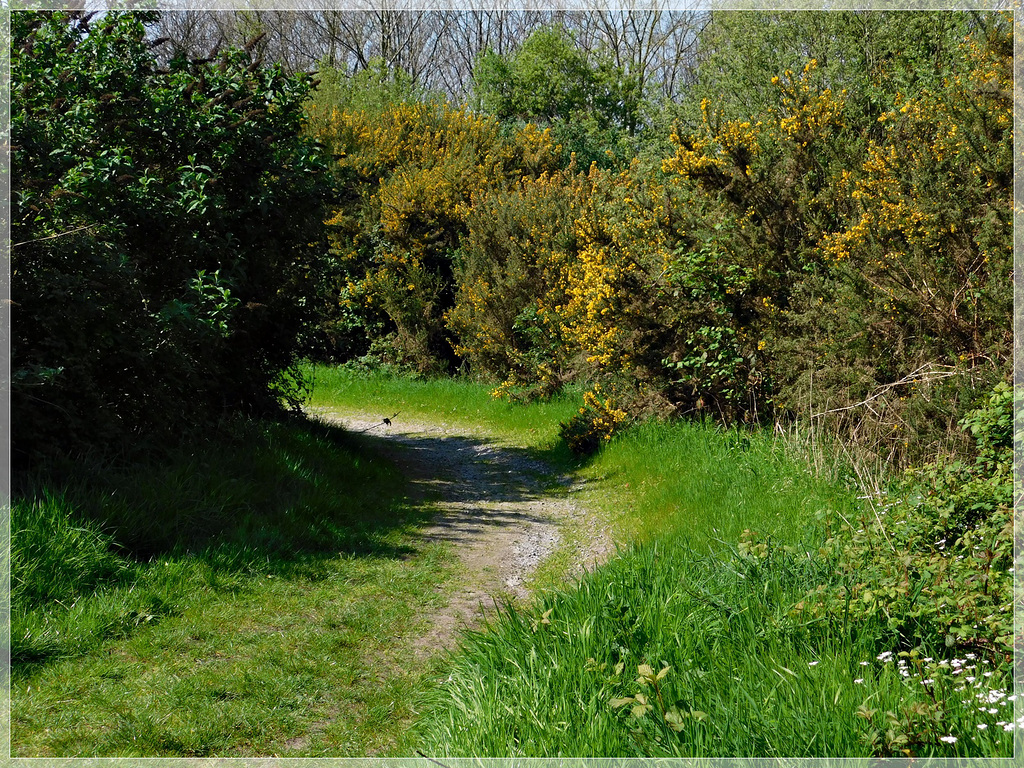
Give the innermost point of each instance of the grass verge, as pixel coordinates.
(246, 597)
(448, 402)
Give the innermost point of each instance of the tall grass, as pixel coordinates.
(716, 612)
(248, 597)
(707, 484)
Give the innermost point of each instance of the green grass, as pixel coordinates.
(707, 485)
(257, 595)
(748, 673)
(448, 402)
(247, 596)
(289, 666)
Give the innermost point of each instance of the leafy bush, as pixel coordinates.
(519, 241)
(830, 239)
(560, 282)
(167, 234)
(873, 238)
(413, 169)
(937, 560)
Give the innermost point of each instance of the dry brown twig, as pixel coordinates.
(926, 372)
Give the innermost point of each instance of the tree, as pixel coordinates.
(166, 234)
(873, 55)
(591, 104)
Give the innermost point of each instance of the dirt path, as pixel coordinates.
(496, 507)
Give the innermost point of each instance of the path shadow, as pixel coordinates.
(482, 484)
(283, 500)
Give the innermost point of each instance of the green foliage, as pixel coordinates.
(167, 235)
(592, 106)
(516, 245)
(546, 78)
(373, 90)
(936, 560)
(871, 54)
(714, 368)
(414, 172)
(828, 239)
(867, 213)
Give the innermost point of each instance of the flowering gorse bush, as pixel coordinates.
(413, 170)
(873, 245)
(595, 424)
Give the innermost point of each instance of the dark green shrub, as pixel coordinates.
(167, 234)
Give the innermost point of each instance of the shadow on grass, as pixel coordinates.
(110, 547)
(113, 547)
(482, 483)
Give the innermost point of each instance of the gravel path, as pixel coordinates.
(494, 507)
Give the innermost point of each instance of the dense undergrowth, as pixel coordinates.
(160, 285)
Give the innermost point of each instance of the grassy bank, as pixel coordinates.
(694, 642)
(242, 597)
(257, 595)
